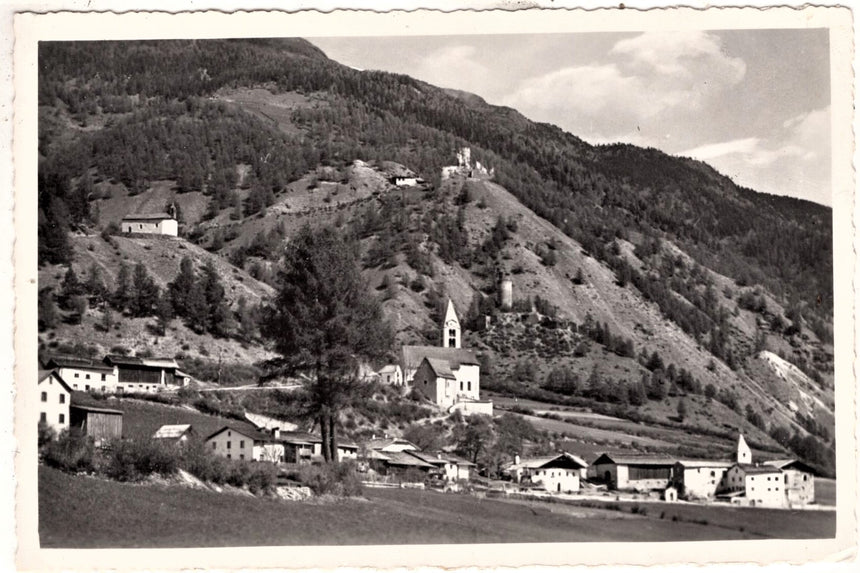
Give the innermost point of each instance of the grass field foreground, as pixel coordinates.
(86, 512)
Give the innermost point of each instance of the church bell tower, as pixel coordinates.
(451, 328)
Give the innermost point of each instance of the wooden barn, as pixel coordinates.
(103, 425)
(640, 473)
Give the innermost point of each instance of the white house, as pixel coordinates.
(150, 223)
(391, 374)
(54, 399)
(699, 479)
(84, 374)
(755, 485)
(560, 473)
(245, 444)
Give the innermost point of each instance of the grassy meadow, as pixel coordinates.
(86, 512)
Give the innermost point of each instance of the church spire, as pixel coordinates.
(451, 328)
(744, 453)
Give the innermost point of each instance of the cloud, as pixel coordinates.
(793, 161)
(646, 82)
(452, 66)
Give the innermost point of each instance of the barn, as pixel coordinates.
(103, 425)
(636, 472)
(136, 374)
(558, 473)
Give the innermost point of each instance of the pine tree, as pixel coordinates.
(163, 313)
(323, 321)
(47, 309)
(144, 292)
(71, 287)
(180, 288)
(122, 294)
(95, 285)
(196, 309)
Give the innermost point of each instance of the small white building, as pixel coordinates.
(391, 374)
(174, 433)
(150, 223)
(560, 473)
(698, 479)
(245, 444)
(54, 399)
(799, 481)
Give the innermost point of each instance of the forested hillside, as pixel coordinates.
(252, 139)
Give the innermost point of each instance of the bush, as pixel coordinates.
(339, 479)
(132, 461)
(70, 453)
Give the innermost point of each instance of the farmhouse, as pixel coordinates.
(640, 473)
(245, 444)
(755, 485)
(174, 433)
(84, 374)
(447, 375)
(302, 447)
(448, 466)
(135, 374)
(54, 399)
(152, 223)
(698, 479)
(103, 425)
(799, 481)
(559, 473)
(398, 463)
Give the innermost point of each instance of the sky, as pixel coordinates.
(755, 104)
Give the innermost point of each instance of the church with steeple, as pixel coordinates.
(448, 375)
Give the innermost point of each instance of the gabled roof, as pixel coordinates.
(137, 361)
(563, 458)
(413, 355)
(306, 439)
(94, 409)
(758, 469)
(43, 374)
(706, 463)
(74, 362)
(146, 216)
(382, 443)
(248, 433)
(441, 368)
(389, 368)
(634, 460)
(405, 459)
(790, 464)
(172, 431)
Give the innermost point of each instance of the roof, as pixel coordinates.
(634, 460)
(413, 355)
(146, 216)
(171, 431)
(441, 368)
(758, 469)
(547, 461)
(46, 373)
(248, 433)
(137, 361)
(431, 459)
(706, 463)
(406, 459)
(382, 443)
(94, 409)
(74, 362)
(389, 368)
(451, 313)
(305, 438)
(790, 464)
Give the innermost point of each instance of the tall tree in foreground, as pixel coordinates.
(323, 322)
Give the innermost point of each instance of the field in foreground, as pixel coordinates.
(76, 511)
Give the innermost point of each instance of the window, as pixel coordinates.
(229, 456)
(43, 417)
(104, 377)
(469, 386)
(461, 385)
(77, 375)
(241, 443)
(62, 418)
(87, 387)
(229, 443)
(44, 396)
(214, 445)
(713, 474)
(62, 398)
(241, 456)
(141, 226)
(87, 376)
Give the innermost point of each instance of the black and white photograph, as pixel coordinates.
(436, 287)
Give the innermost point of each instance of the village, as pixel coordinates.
(449, 377)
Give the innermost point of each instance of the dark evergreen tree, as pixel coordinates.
(145, 293)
